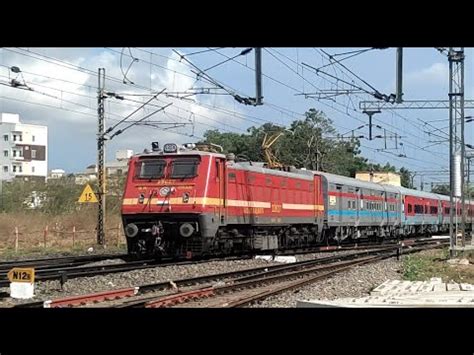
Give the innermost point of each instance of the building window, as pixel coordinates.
(14, 153)
(5, 168)
(32, 138)
(33, 153)
(17, 169)
(32, 169)
(5, 153)
(5, 137)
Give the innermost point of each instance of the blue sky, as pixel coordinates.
(70, 109)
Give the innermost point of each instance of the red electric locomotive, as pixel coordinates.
(184, 202)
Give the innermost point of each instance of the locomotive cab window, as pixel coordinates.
(151, 169)
(184, 168)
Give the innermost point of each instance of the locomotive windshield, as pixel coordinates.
(161, 168)
(151, 169)
(181, 169)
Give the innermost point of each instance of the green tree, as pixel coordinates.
(441, 189)
(406, 178)
(312, 143)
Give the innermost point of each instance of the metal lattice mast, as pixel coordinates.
(100, 158)
(456, 139)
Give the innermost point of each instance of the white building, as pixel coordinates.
(56, 174)
(113, 168)
(23, 148)
(123, 154)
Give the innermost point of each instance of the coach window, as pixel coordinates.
(275, 195)
(349, 204)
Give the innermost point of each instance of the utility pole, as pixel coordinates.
(413, 180)
(463, 154)
(456, 144)
(370, 113)
(100, 158)
(399, 89)
(258, 76)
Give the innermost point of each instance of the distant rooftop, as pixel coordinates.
(9, 118)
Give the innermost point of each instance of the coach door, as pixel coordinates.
(357, 205)
(222, 188)
(318, 198)
(340, 202)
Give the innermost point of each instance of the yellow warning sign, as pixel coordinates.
(21, 275)
(88, 195)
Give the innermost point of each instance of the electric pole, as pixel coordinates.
(258, 76)
(370, 113)
(456, 142)
(399, 88)
(100, 158)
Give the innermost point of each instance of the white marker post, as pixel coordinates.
(22, 282)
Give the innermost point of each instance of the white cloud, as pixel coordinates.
(72, 140)
(436, 74)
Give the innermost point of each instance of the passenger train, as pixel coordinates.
(183, 202)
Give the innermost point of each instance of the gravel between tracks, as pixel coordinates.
(52, 289)
(356, 282)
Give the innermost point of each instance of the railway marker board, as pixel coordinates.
(21, 282)
(88, 195)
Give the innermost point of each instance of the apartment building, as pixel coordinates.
(23, 149)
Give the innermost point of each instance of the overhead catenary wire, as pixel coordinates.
(273, 107)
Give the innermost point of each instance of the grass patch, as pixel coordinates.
(433, 263)
(50, 252)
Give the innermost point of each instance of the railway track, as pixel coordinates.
(245, 290)
(72, 267)
(231, 289)
(54, 272)
(60, 261)
(65, 268)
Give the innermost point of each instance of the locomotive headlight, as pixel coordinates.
(141, 198)
(131, 230)
(186, 230)
(186, 197)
